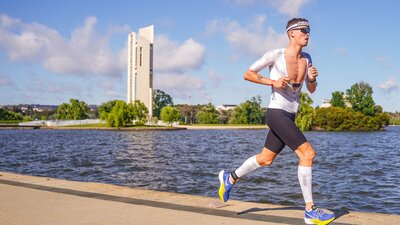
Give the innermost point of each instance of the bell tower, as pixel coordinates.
(140, 67)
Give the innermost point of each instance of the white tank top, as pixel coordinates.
(288, 98)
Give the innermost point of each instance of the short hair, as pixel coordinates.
(294, 21)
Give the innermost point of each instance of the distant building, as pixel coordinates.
(325, 103)
(225, 107)
(346, 101)
(140, 67)
(37, 109)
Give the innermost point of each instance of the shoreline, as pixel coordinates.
(116, 129)
(160, 128)
(141, 128)
(218, 127)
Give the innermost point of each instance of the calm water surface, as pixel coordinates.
(353, 170)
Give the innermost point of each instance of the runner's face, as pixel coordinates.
(301, 35)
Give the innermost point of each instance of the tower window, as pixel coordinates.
(140, 56)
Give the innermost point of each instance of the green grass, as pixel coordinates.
(10, 121)
(394, 121)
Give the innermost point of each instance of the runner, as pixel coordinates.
(289, 68)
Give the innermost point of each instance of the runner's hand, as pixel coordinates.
(281, 83)
(312, 72)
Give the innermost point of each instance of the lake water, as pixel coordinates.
(353, 170)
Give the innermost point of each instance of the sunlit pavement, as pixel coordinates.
(42, 200)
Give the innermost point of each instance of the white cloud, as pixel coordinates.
(113, 94)
(179, 85)
(85, 53)
(88, 53)
(252, 39)
(25, 46)
(173, 62)
(288, 7)
(389, 85)
(6, 21)
(109, 89)
(241, 2)
(383, 61)
(171, 56)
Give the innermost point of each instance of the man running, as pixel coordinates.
(288, 69)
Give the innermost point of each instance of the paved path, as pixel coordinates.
(39, 200)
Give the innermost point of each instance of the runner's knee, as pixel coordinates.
(266, 157)
(311, 154)
(264, 161)
(307, 151)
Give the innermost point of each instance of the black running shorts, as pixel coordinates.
(283, 131)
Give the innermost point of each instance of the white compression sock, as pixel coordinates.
(305, 178)
(249, 165)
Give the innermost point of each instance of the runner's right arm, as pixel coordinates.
(253, 76)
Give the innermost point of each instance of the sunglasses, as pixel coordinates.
(304, 30)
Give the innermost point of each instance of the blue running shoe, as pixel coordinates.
(318, 216)
(225, 185)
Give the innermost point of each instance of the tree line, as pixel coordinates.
(354, 109)
(248, 112)
(7, 116)
(117, 113)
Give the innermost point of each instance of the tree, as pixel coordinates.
(340, 119)
(170, 114)
(207, 115)
(75, 110)
(47, 114)
(7, 115)
(160, 99)
(338, 99)
(139, 112)
(305, 114)
(224, 116)
(120, 115)
(249, 112)
(63, 112)
(79, 109)
(93, 113)
(360, 98)
(394, 118)
(188, 112)
(106, 108)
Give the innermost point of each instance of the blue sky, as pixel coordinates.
(51, 51)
